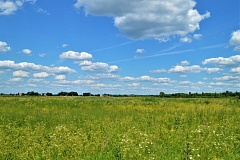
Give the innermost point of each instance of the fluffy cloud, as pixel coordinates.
(235, 70)
(66, 82)
(76, 56)
(213, 70)
(98, 67)
(186, 39)
(21, 74)
(159, 70)
(43, 11)
(15, 80)
(26, 51)
(228, 78)
(60, 77)
(41, 75)
(185, 83)
(184, 63)
(235, 40)
(25, 66)
(140, 50)
(220, 61)
(197, 36)
(42, 54)
(141, 19)
(3, 46)
(185, 69)
(9, 7)
(146, 79)
(85, 63)
(134, 85)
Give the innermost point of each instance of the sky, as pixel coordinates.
(119, 47)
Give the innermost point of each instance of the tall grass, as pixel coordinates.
(119, 128)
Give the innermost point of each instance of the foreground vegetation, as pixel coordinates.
(119, 128)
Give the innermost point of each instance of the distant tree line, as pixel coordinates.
(161, 94)
(201, 95)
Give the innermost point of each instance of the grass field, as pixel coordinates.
(119, 128)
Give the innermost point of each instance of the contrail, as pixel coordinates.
(107, 48)
(157, 54)
(164, 53)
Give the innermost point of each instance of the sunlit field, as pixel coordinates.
(108, 128)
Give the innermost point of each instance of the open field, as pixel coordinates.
(119, 128)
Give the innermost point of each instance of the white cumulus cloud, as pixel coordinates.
(185, 69)
(141, 19)
(25, 66)
(8, 7)
(4, 47)
(21, 73)
(235, 40)
(221, 61)
(140, 50)
(98, 67)
(186, 39)
(15, 80)
(26, 51)
(159, 70)
(41, 75)
(72, 55)
(235, 70)
(60, 77)
(212, 70)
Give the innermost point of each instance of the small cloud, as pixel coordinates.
(60, 77)
(186, 39)
(159, 70)
(99, 67)
(134, 85)
(235, 40)
(185, 83)
(21, 74)
(8, 7)
(184, 63)
(140, 50)
(75, 55)
(41, 75)
(43, 11)
(197, 36)
(27, 51)
(64, 45)
(186, 69)
(212, 70)
(15, 80)
(225, 62)
(235, 70)
(163, 39)
(4, 47)
(183, 76)
(42, 55)
(84, 63)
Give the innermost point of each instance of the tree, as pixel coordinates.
(162, 94)
(62, 94)
(32, 93)
(86, 94)
(49, 94)
(72, 94)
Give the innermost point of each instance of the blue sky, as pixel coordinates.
(119, 47)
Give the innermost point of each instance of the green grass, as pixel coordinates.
(119, 128)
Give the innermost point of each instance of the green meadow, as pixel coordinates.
(108, 128)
